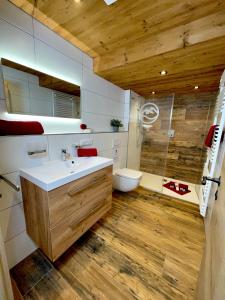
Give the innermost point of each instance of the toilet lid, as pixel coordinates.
(128, 173)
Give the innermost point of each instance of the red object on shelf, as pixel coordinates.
(85, 152)
(209, 137)
(182, 190)
(20, 127)
(83, 126)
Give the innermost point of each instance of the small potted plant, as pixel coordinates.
(116, 124)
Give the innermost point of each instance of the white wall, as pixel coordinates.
(30, 43)
(101, 101)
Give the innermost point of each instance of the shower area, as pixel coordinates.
(166, 142)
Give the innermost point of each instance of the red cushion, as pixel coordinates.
(20, 127)
(82, 152)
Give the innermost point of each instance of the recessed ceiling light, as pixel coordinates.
(196, 87)
(163, 72)
(77, 1)
(153, 93)
(109, 2)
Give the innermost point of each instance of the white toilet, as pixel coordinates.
(126, 180)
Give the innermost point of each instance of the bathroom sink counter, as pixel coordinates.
(53, 174)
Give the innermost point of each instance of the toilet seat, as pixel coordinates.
(128, 173)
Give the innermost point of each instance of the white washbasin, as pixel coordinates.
(53, 174)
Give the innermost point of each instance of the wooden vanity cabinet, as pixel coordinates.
(56, 219)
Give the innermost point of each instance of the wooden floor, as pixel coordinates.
(149, 246)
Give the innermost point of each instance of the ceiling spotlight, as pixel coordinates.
(163, 72)
(196, 87)
(153, 93)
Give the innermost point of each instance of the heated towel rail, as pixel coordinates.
(10, 183)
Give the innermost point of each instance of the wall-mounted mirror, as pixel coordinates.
(31, 92)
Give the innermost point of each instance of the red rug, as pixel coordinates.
(181, 190)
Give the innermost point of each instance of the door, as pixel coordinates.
(5, 283)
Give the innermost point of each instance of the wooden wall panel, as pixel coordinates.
(192, 115)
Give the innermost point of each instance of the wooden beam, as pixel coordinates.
(204, 55)
(198, 31)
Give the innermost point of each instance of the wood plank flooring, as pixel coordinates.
(149, 246)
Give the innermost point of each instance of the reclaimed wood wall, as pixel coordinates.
(182, 157)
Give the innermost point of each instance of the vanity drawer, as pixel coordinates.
(68, 231)
(56, 219)
(70, 197)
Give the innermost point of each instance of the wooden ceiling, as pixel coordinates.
(131, 41)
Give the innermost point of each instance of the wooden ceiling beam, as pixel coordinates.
(198, 31)
(204, 55)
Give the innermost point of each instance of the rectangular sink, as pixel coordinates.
(53, 174)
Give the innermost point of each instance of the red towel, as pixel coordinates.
(20, 127)
(81, 152)
(209, 137)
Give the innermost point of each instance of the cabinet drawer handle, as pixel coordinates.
(96, 181)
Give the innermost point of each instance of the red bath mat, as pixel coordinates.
(182, 188)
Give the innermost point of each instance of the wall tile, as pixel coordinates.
(3, 108)
(126, 110)
(18, 248)
(127, 96)
(123, 137)
(12, 221)
(15, 16)
(106, 153)
(98, 85)
(53, 62)
(52, 39)
(87, 61)
(103, 141)
(97, 122)
(95, 103)
(126, 124)
(123, 157)
(2, 92)
(114, 92)
(93, 82)
(13, 152)
(16, 45)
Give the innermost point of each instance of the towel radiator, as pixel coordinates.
(14, 186)
(210, 169)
